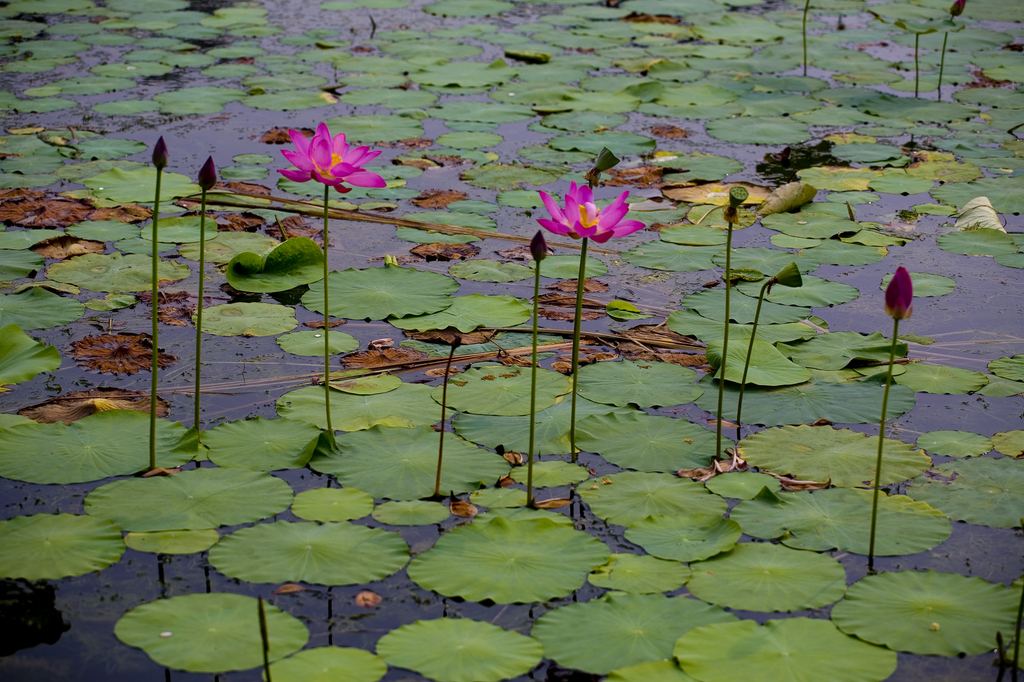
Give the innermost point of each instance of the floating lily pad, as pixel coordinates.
(643, 442)
(53, 546)
(329, 663)
(757, 576)
(639, 574)
(332, 504)
(954, 443)
(248, 319)
(91, 449)
(115, 272)
(622, 629)
(408, 406)
(840, 518)
(742, 485)
(633, 496)
(38, 308)
(758, 130)
(1011, 368)
(484, 653)
(103, 230)
(662, 255)
(172, 541)
(178, 230)
(927, 612)
(568, 267)
(836, 350)
(654, 671)
(618, 142)
(503, 391)
(466, 313)
(499, 497)
(287, 100)
(411, 513)
(508, 561)
(759, 361)
(376, 293)
(920, 377)
(190, 500)
(490, 271)
(209, 633)
(981, 490)
(689, 537)
(138, 186)
(798, 649)
(643, 384)
(376, 128)
(926, 284)
(293, 262)
(980, 242)
(813, 292)
(261, 444)
(312, 343)
(401, 464)
(711, 304)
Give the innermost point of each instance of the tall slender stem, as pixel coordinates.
(917, 69)
(725, 340)
(807, 6)
(264, 639)
(154, 382)
(1016, 633)
(533, 389)
(881, 443)
(199, 308)
(942, 65)
(444, 410)
(327, 327)
(746, 365)
(580, 282)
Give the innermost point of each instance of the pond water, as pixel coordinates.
(697, 92)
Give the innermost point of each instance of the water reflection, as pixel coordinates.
(28, 615)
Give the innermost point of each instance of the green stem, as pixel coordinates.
(580, 282)
(265, 640)
(942, 65)
(444, 410)
(199, 308)
(746, 365)
(807, 6)
(533, 389)
(881, 442)
(327, 328)
(156, 329)
(725, 341)
(1016, 633)
(917, 69)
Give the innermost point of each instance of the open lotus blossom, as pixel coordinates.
(581, 217)
(330, 161)
(899, 295)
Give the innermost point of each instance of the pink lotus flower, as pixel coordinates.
(330, 161)
(581, 218)
(899, 295)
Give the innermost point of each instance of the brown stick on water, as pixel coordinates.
(444, 411)
(265, 639)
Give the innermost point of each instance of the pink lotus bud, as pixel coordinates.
(160, 154)
(957, 8)
(208, 175)
(538, 247)
(899, 295)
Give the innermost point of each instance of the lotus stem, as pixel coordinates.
(533, 389)
(746, 364)
(444, 410)
(881, 442)
(917, 68)
(265, 639)
(327, 326)
(154, 381)
(1016, 632)
(942, 65)
(580, 283)
(725, 340)
(199, 309)
(807, 6)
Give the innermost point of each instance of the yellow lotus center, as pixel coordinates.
(583, 218)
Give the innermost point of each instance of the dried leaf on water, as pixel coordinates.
(438, 198)
(445, 252)
(118, 353)
(382, 357)
(78, 404)
(44, 212)
(448, 335)
(461, 507)
(126, 213)
(281, 136)
(289, 588)
(66, 246)
(240, 222)
(589, 286)
(552, 503)
(367, 599)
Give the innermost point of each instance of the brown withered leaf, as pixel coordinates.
(294, 226)
(126, 213)
(710, 284)
(422, 164)
(410, 143)
(44, 212)
(822, 422)
(563, 301)
(440, 372)
(447, 160)
(386, 342)
(683, 359)
(795, 485)
(281, 136)
(382, 357)
(518, 253)
(449, 334)
(551, 503)
(18, 193)
(505, 481)
(251, 188)
(118, 353)
(445, 252)
(461, 507)
(363, 48)
(643, 176)
(367, 599)
(514, 360)
(438, 198)
(160, 471)
(77, 404)
(404, 259)
(513, 458)
(670, 132)
(319, 324)
(240, 222)
(651, 18)
(66, 246)
(290, 588)
(725, 423)
(590, 286)
(570, 315)
(699, 474)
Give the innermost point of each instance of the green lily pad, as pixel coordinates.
(758, 130)
(53, 546)
(376, 128)
(103, 230)
(115, 272)
(38, 308)
(928, 612)
(502, 391)
(248, 319)
(293, 262)
(552, 473)
(822, 453)
(1003, 192)
(1011, 368)
(644, 442)
(711, 304)
(190, 500)
(742, 485)
(633, 496)
(954, 443)
(510, 176)
(766, 366)
(172, 541)
(286, 100)
(508, 561)
(209, 633)
(498, 497)
(312, 343)
(178, 230)
(408, 406)
(980, 242)
(377, 293)
(411, 513)
(689, 537)
(485, 652)
(797, 649)
(693, 235)
(836, 350)
(466, 313)
(654, 671)
(261, 444)
(327, 554)
(401, 463)
(17, 264)
(835, 252)
(622, 629)
(332, 504)
(981, 490)
(661, 255)
(568, 267)
(926, 284)
(91, 449)
(840, 518)
(920, 377)
(139, 186)
(813, 292)
(490, 271)
(643, 384)
(639, 574)
(329, 663)
(617, 141)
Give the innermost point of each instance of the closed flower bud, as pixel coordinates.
(899, 295)
(789, 276)
(957, 8)
(208, 175)
(160, 154)
(538, 247)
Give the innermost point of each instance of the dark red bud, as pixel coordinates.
(208, 175)
(160, 154)
(538, 247)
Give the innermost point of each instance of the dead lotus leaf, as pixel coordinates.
(281, 136)
(289, 588)
(118, 353)
(518, 253)
(725, 423)
(404, 259)
(422, 164)
(461, 507)
(589, 286)
(382, 357)
(19, 193)
(409, 143)
(241, 222)
(563, 301)
(700, 474)
(505, 481)
(438, 198)
(716, 193)
(78, 404)
(445, 252)
(367, 599)
(670, 132)
(251, 188)
(450, 334)
(319, 324)
(160, 471)
(793, 484)
(513, 458)
(44, 212)
(448, 160)
(66, 246)
(551, 503)
(294, 226)
(440, 372)
(127, 213)
(570, 315)
(642, 176)
(651, 18)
